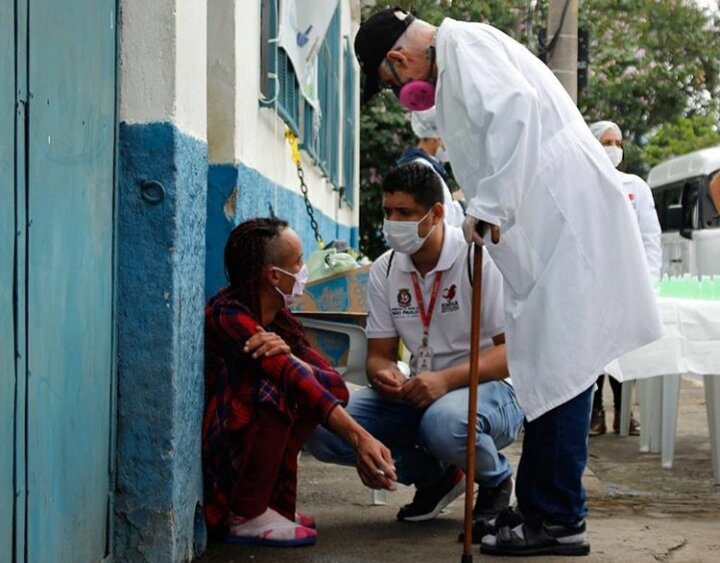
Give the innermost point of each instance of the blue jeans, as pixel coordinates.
(554, 456)
(425, 442)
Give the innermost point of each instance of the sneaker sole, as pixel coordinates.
(571, 549)
(451, 495)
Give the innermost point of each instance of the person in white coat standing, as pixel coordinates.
(577, 293)
(640, 196)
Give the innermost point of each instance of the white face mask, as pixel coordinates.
(300, 277)
(402, 236)
(615, 154)
(442, 155)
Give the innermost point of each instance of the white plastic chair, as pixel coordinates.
(659, 402)
(354, 369)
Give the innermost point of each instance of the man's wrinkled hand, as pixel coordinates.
(469, 227)
(470, 231)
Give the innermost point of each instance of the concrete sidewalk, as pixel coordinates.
(638, 511)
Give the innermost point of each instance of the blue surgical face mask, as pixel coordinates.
(301, 277)
(402, 236)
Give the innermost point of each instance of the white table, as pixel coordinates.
(691, 345)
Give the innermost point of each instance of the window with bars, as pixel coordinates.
(278, 83)
(349, 96)
(327, 132)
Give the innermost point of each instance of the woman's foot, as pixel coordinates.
(305, 519)
(634, 424)
(269, 529)
(597, 422)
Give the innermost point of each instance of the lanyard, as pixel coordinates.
(426, 315)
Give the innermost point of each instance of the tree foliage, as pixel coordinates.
(651, 62)
(682, 136)
(654, 69)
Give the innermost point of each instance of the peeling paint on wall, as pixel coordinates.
(230, 207)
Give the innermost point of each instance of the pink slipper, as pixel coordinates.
(269, 529)
(305, 519)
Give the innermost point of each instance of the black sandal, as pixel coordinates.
(535, 537)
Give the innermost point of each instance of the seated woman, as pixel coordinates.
(265, 392)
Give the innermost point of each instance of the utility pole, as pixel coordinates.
(563, 57)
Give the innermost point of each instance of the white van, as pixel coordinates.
(689, 221)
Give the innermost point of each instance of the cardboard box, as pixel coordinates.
(342, 293)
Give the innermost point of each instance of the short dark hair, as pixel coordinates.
(418, 180)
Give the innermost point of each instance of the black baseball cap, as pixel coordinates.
(374, 39)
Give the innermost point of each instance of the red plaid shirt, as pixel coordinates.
(235, 383)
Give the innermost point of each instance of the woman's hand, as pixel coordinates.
(374, 464)
(264, 343)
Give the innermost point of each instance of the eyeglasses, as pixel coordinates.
(396, 86)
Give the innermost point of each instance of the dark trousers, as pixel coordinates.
(554, 456)
(616, 387)
(269, 475)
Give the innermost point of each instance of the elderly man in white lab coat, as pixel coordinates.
(577, 292)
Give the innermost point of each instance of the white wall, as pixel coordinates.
(163, 63)
(241, 130)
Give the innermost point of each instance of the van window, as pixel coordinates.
(690, 203)
(665, 197)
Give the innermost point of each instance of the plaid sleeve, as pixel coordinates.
(317, 389)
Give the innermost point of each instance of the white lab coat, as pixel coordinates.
(454, 214)
(641, 198)
(577, 291)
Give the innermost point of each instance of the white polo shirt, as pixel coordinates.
(393, 308)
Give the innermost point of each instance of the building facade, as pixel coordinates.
(134, 135)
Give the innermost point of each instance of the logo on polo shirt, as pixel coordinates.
(450, 304)
(404, 298)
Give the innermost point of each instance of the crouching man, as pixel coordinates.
(420, 292)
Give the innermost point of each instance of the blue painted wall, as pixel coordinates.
(255, 194)
(7, 277)
(161, 273)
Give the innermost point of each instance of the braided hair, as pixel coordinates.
(246, 253)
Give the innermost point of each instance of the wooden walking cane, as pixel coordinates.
(472, 399)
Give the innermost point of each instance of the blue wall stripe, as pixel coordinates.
(161, 272)
(255, 198)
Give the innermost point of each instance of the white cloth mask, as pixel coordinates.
(301, 277)
(442, 155)
(615, 154)
(402, 236)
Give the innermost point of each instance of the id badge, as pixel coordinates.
(424, 359)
